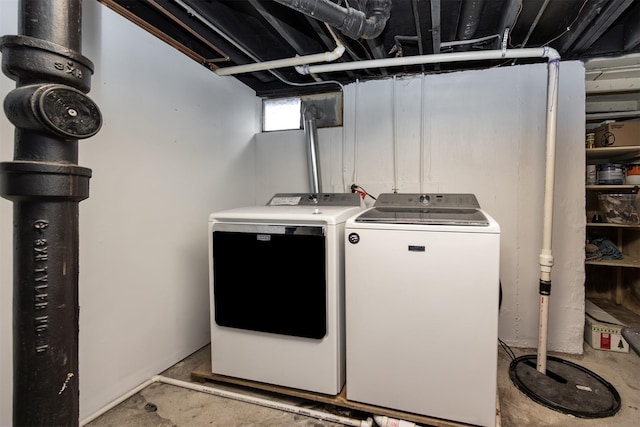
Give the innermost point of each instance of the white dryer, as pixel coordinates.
(277, 291)
(422, 294)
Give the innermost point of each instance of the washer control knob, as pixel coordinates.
(424, 199)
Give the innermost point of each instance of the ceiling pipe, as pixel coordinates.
(483, 55)
(287, 62)
(470, 19)
(470, 41)
(351, 22)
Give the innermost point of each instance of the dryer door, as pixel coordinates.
(270, 278)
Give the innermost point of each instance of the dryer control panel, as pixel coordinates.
(315, 199)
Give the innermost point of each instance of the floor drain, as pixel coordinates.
(150, 407)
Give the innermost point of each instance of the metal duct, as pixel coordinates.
(469, 21)
(51, 112)
(351, 22)
(310, 114)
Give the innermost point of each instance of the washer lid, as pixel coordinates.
(430, 216)
(423, 208)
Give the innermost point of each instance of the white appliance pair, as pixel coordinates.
(421, 291)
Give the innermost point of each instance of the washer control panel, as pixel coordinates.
(432, 200)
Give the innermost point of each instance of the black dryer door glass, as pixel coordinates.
(271, 281)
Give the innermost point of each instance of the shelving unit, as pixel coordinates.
(613, 94)
(625, 237)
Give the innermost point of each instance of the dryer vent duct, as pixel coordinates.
(323, 110)
(310, 114)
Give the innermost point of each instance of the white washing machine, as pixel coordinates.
(277, 291)
(422, 294)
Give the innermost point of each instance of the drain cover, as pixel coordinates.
(566, 387)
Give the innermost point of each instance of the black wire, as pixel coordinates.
(507, 349)
(365, 191)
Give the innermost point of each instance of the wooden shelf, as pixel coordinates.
(626, 316)
(611, 225)
(613, 153)
(612, 187)
(626, 261)
(612, 115)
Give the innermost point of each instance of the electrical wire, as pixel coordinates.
(507, 349)
(355, 188)
(568, 27)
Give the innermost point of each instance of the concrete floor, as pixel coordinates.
(168, 405)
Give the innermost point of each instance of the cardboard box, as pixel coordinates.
(602, 331)
(616, 134)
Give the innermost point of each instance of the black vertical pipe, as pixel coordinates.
(51, 112)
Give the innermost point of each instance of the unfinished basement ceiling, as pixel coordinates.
(224, 33)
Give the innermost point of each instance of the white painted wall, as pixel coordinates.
(176, 145)
(482, 132)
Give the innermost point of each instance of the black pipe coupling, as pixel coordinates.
(54, 109)
(545, 287)
(30, 59)
(29, 181)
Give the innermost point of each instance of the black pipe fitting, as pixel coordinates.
(28, 59)
(545, 287)
(351, 22)
(55, 109)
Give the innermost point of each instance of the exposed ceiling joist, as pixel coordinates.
(603, 23)
(237, 32)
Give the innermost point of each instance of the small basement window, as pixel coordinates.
(281, 114)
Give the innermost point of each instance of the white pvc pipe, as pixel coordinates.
(540, 52)
(281, 63)
(546, 257)
(384, 421)
(287, 62)
(235, 396)
(267, 403)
